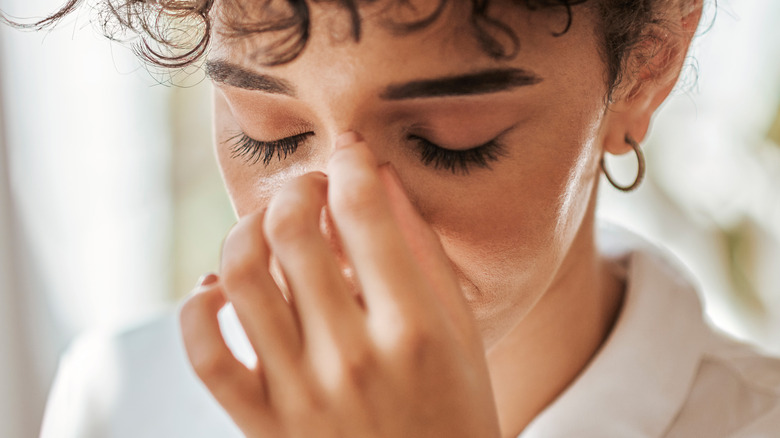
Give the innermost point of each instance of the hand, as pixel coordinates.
(407, 361)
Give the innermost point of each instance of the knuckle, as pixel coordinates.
(294, 213)
(192, 310)
(306, 402)
(358, 195)
(357, 367)
(210, 367)
(239, 272)
(243, 242)
(415, 344)
(287, 220)
(246, 229)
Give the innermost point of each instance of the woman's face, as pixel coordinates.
(509, 214)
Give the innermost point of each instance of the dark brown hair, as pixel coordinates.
(176, 33)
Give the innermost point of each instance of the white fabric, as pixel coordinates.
(663, 372)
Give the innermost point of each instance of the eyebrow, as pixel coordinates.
(483, 82)
(227, 73)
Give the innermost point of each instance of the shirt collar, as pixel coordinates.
(638, 381)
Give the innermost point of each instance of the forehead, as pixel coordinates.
(450, 43)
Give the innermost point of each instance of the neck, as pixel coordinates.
(544, 353)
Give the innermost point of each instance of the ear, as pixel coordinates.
(653, 69)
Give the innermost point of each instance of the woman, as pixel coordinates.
(416, 252)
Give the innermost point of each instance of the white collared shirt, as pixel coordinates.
(663, 372)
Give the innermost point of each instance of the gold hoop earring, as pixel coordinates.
(641, 171)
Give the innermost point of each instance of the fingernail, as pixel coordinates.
(207, 279)
(348, 138)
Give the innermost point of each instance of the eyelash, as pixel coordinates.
(252, 150)
(459, 161)
(433, 155)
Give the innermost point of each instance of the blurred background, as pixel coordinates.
(111, 205)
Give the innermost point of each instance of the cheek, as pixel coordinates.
(248, 189)
(493, 230)
(509, 229)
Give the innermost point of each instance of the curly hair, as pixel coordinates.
(177, 33)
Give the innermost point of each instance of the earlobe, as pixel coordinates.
(625, 119)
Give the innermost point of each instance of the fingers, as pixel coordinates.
(360, 207)
(238, 389)
(269, 321)
(326, 309)
(426, 248)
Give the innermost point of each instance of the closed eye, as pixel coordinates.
(458, 161)
(252, 151)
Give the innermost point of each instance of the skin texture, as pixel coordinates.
(479, 296)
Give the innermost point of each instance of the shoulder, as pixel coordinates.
(735, 393)
(664, 371)
(732, 388)
(132, 383)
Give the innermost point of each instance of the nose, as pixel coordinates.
(350, 103)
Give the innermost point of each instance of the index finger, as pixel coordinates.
(428, 252)
(385, 267)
